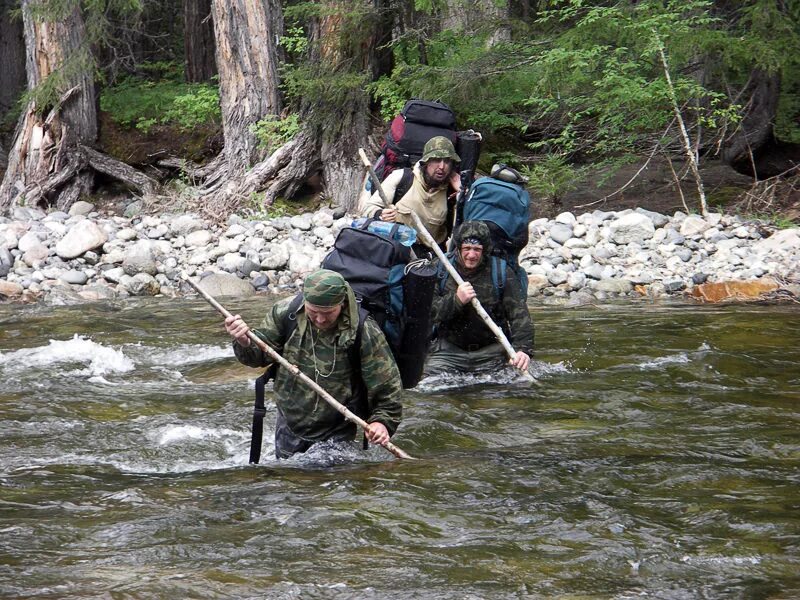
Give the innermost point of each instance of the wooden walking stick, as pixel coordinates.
(421, 230)
(294, 370)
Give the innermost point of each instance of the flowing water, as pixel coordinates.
(658, 457)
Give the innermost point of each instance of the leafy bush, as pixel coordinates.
(140, 103)
(273, 131)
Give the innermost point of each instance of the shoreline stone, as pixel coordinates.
(571, 259)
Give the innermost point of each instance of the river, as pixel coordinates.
(658, 456)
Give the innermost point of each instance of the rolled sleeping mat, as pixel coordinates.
(418, 288)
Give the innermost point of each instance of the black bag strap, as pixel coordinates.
(404, 185)
(287, 326)
(259, 410)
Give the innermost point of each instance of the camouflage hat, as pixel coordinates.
(439, 147)
(474, 230)
(324, 288)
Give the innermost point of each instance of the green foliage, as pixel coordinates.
(775, 219)
(294, 41)
(553, 177)
(141, 103)
(585, 81)
(255, 209)
(273, 131)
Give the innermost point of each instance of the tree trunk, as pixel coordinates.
(472, 16)
(755, 132)
(198, 41)
(12, 57)
(43, 156)
(342, 172)
(333, 130)
(247, 58)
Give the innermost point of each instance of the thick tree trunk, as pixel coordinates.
(479, 15)
(342, 172)
(754, 136)
(247, 58)
(43, 156)
(12, 57)
(198, 41)
(331, 134)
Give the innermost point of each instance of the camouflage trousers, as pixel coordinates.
(445, 357)
(288, 443)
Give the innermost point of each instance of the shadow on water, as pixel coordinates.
(657, 456)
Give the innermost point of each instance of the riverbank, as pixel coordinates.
(85, 256)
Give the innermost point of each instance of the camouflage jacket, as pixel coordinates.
(324, 356)
(462, 326)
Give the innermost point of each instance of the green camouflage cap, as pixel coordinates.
(439, 147)
(474, 230)
(324, 288)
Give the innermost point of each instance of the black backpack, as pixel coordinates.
(397, 292)
(419, 121)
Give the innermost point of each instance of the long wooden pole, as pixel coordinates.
(498, 333)
(294, 370)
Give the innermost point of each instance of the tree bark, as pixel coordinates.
(755, 132)
(247, 58)
(342, 173)
(332, 130)
(471, 16)
(198, 41)
(43, 154)
(12, 57)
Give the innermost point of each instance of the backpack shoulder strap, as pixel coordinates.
(287, 326)
(444, 274)
(499, 274)
(357, 381)
(404, 185)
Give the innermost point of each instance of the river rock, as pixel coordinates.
(35, 254)
(81, 207)
(632, 227)
(6, 261)
(9, 289)
(780, 241)
(302, 222)
(693, 225)
(186, 224)
(29, 240)
(225, 284)
(74, 276)
(198, 238)
(140, 258)
(143, 284)
(82, 237)
(613, 286)
(560, 233)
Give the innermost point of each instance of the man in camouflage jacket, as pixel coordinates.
(464, 342)
(320, 346)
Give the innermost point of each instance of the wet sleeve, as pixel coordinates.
(381, 378)
(519, 318)
(445, 306)
(270, 332)
(374, 203)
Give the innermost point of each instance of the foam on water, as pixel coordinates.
(95, 359)
(175, 356)
(504, 376)
(676, 359)
(172, 434)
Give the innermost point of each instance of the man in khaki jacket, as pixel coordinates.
(427, 194)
